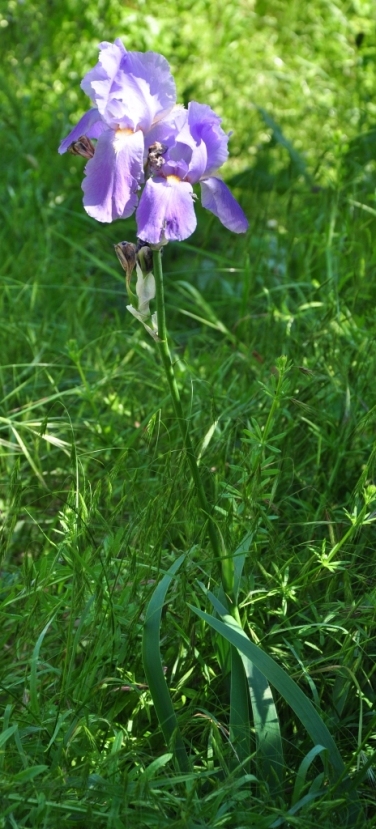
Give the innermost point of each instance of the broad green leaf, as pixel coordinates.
(154, 670)
(266, 721)
(303, 771)
(293, 695)
(239, 710)
(265, 717)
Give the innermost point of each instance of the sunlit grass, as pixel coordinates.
(96, 502)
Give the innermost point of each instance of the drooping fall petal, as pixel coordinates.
(90, 124)
(166, 211)
(112, 177)
(217, 198)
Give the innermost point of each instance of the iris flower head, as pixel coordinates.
(193, 155)
(131, 93)
(140, 130)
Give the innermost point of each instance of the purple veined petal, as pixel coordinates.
(131, 89)
(216, 196)
(90, 124)
(178, 169)
(205, 126)
(166, 130)
(166, 211)
(180, 152)
(110, 57)
(174, 119)
(152, 70)
(194, 154)
(112, 177)
(200, 114)
(147, 89)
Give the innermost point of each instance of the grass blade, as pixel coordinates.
(265, 717)
(291, 692)
(154, 671)
(34, 700)
(239, 711)
(303, 771)
(266, 722)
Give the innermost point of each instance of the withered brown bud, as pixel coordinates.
(155, 156)
(126, 254)
(83, 147)
(144, 256)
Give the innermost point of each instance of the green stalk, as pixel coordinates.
(226, 563)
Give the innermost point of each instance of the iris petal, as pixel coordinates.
(112, 176)
(166, 130)
(97, 83)
(166, 211)
(197, 158)
(205, 126)
(148, 87)
(130, 89)
(216, 196)
(90, 124)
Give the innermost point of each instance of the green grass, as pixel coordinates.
(274, 346)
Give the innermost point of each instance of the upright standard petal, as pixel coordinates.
(166, 212)
(97, 83)
(216, 196)
(148, 86)
(90, 124)
(193, 154)
(205, 126)
(165, 131)
(130, 89)
(113, 175)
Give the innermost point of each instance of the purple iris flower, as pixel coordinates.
(132, 93)
(198, 148)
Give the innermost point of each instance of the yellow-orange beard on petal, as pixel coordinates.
(173, 179)
(121, 136)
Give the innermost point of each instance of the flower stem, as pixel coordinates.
(226, 563)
